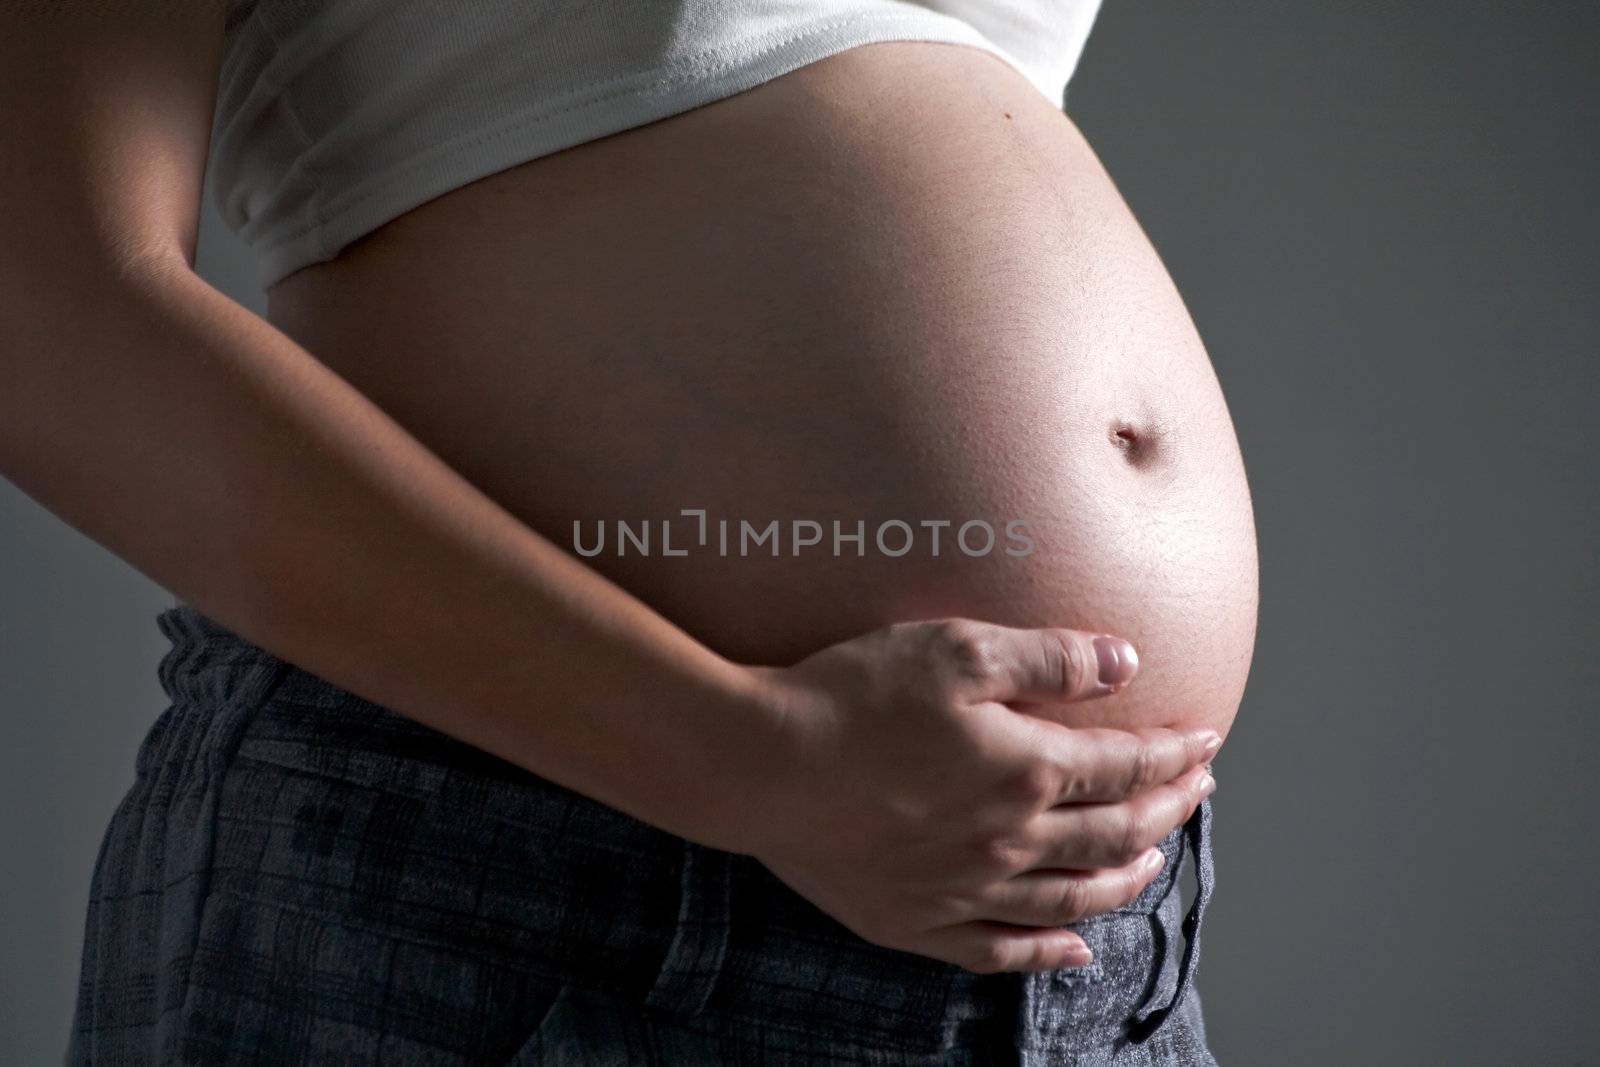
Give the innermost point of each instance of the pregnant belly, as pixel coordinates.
(891, 294)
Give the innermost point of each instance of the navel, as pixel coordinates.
(1138, 442)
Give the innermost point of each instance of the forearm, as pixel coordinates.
(208, 450)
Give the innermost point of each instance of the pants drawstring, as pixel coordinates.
(1196, 835)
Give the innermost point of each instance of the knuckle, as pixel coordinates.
(1035, 784)
(1133, 836)
(1073, 665)
(1000, 851)
(969, 649)
(1144, 769)
(992, 957)
(1028, 956)
(1073, 787)
(947, 907)
(1077, 777)
(948, 633)
(1072, 900)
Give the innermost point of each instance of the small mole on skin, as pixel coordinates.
(1008, 114)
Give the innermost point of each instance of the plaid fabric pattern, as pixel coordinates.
(299, 876)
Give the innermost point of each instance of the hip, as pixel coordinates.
(297, 871)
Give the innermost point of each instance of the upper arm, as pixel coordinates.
(105, 123)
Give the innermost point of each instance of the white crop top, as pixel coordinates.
(335, 116)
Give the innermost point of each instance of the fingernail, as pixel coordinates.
(1213, 742)
(1154, 860)
(1117, 661)
(1208, 786)
(1078, 957)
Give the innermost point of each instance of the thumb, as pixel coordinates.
(1054, 665)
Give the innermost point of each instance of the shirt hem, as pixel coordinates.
(589, 114)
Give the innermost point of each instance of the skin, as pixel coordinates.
(416, 424)
(895, 283)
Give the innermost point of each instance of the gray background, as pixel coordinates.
(1383, 219)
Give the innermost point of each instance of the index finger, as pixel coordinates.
(1102, 763)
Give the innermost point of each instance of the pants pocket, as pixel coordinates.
(538, 1045)
(278, 985)
(587, 1028)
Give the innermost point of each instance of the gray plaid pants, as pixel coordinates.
(299, 876)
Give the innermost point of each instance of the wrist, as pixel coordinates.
(749, 762)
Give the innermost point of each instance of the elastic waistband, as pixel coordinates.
(209, 664)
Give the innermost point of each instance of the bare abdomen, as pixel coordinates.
(894, 288)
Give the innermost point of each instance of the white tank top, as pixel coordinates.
(335, 116)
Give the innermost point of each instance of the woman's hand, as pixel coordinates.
(919, 810)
